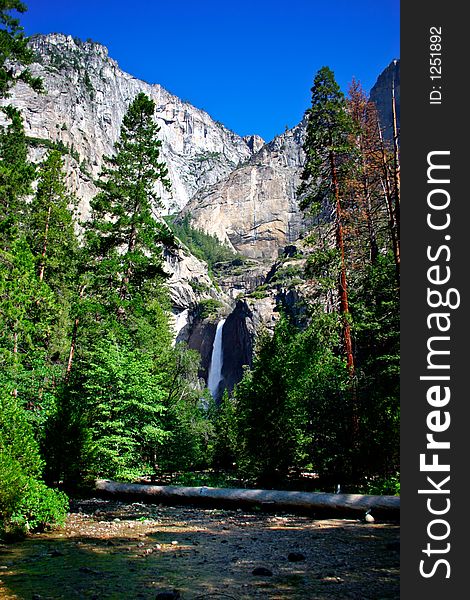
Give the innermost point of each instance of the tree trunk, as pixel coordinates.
(343, 288)
(73, 342)
(128, 273)
(373, 246)
(390, 208)
(396, 164)
(351, 504)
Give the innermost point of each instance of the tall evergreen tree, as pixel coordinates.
(50, 228)
(329, 159)
(129, 383)
(124, 233)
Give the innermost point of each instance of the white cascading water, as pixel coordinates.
(215, 369)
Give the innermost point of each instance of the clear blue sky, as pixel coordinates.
(249, 63)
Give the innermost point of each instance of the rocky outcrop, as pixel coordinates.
(87, 97)
(201, 338)
(189, 284)
(381, 94)
(254, 209)
(244, 323)
(241, 276)
(254, 142)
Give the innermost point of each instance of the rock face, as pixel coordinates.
(254, 209)
(87, 97)
(239, 334)
(381, 94)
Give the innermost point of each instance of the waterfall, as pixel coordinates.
(215, 368)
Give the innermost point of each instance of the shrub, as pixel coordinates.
(208, 308)
(26, 503)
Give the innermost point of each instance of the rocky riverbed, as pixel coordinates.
(111, 550)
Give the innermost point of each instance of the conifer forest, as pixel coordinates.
(149, 339)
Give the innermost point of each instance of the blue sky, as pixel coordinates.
(250, 64)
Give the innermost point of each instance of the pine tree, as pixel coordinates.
(124, 233)
(329, 159)
(374, 184)
(131, 384)
(16, 176)
(50, 229)
(124, 237)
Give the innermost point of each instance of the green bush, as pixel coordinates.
(26, 503)
(204, 246)
(39, 507)
(208, 308)
(384, 486)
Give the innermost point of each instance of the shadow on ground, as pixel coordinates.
(110, 550)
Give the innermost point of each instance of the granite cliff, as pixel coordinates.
(254, 209)
(87, 97)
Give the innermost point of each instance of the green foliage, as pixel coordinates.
(59, 145)
(287, 405)
(26, 315)
(208, 308)
(13, 47)
(50, 226)
(328, 147)
(224, 433)
(376, 310)
(39, 507)
(206, 156)
(186, 418)
(28, 327)
(258, 294)
(124, 401)
(16, 174)
(389, 486)
(203, 245)
(25, 502)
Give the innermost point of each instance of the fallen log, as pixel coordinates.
(312, 502)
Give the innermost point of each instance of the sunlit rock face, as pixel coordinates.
(255, 208)
(87, 97)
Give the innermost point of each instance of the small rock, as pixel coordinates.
(116, 520)
(263, 571)
(174, 543)
(295, 557)
(368, 518)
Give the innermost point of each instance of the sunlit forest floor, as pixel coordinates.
(111, 550)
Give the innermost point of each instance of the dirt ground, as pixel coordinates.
(110, 550)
